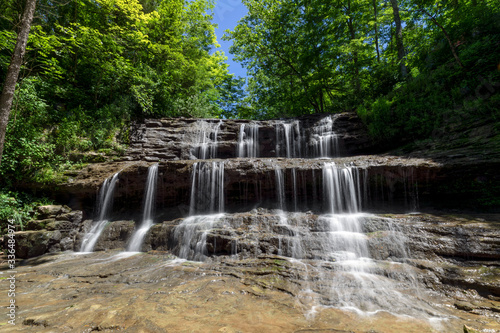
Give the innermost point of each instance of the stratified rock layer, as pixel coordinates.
(174, 139)
(249, 248)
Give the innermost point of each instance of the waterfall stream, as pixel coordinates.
(324, 141)
(288, 139)
(362, 283)
(335, 246)
(207, 188)
(207, 197)
(248, 140)
(135, 243)
(205, 139)
(318, 141)
(105, 203)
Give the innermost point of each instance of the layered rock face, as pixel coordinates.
(251, 150)
(55, 230)
(388, 182)
(184, 139)
(296, 193)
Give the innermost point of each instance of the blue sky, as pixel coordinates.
(226, 15)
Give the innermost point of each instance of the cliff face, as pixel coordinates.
(386, 182)
(294, 196)
(181, 139)
(253, 150)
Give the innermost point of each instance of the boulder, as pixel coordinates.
(31, 244)
(48, 211)
(39, 224)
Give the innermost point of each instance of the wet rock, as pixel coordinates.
(464, 306)
(115, 235)
(59, 225)
(35, 322)
(67, 243)
(31, 244)
(152, 292)
(43, 236)
(74, 217)
(468, 329)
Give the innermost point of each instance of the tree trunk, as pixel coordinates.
(9, 87)
(452, 47)
(376, 29)
(399, 38)
(352, 32)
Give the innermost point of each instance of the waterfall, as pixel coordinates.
(248, 140)
(105, 202)
(294, 189)
(362, 283)
(205, 139)
(147, 217)
(318, 141)
(293, 243)
(192, 233)
(323, 139)
(207, 188)
(280, 187)
(288, 139)
(207, 197)
(342, 189)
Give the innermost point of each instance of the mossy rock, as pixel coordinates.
(467, 329)
(39, 224)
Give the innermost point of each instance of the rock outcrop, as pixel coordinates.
(390, 182)
(54, 230)
(178, 139)
(280, 217)
(111, 290)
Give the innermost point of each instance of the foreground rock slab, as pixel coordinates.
(155, 292)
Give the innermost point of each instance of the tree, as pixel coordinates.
(399, 38)
(376, 28)
(9, 86)
(421, 7)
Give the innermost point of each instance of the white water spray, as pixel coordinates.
(205, 139)
(248, 140)
(135, 244)
(105, 202)
(207, 197)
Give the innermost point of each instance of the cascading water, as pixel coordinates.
(293, 241)
(135, 243)
(192, 234)
(360, 282)
(205, 140)
(207, 197)
(341, 189)
(207, 188)
(248, 140)
(105, 202)
(318, 141)
(342, 258)
(288, 139)
(323, 140)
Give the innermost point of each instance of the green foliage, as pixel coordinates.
(439, 99)
(321, 56)
(19, 208)
(94, 66)
(308, 56)
(198, 106)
